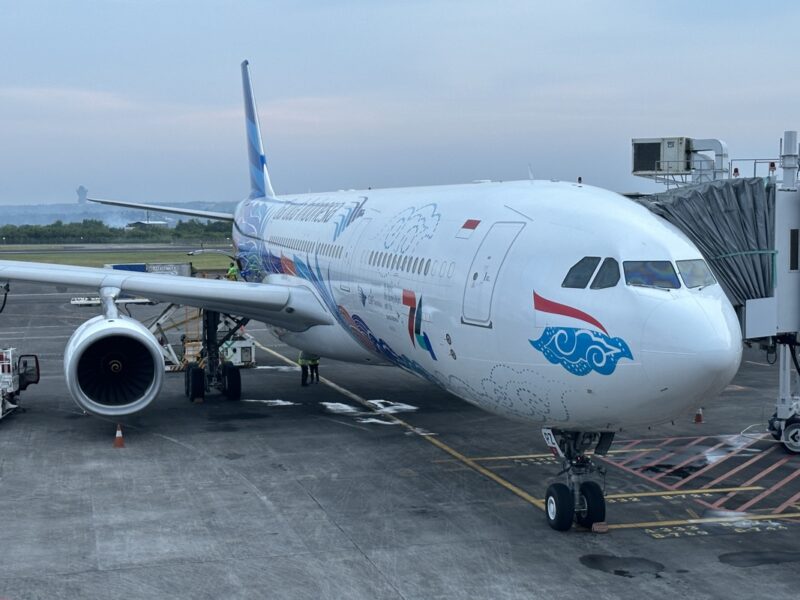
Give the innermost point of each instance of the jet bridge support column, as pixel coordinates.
(778, 316)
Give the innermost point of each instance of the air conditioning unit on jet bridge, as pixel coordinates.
(662, 156)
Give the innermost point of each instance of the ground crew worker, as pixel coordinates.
(313, 367)
(302, 360)
(233, 273)
(306, 360)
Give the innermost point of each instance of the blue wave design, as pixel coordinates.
(581, 351)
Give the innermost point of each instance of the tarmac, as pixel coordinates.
(373, 484)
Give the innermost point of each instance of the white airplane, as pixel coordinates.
(560, 304)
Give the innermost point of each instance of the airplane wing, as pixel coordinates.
(192, 212)
(291, 304)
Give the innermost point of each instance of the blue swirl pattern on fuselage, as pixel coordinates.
(581, 351)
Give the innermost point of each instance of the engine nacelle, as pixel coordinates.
(114, 367)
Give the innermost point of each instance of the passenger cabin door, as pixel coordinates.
(482, 276)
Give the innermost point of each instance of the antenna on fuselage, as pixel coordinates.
(530, 172)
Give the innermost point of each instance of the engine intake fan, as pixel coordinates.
(114, 367)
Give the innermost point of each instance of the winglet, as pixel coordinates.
(260, 184)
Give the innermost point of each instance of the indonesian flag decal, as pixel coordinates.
(469, 226)
(548, 306)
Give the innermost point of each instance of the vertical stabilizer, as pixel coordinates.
(260, 184)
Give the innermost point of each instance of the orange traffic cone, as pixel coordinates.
(698, 416)
(119, 441)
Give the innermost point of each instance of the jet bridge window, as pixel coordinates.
(651, 273)
(607, 276)
(581, 272)
(695, 273)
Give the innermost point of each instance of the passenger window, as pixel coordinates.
(427, 266)
(695, 273)
(607, 276)
(581, 272)
(414, 266)
(651, 273)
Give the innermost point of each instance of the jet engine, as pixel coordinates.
(114, 366)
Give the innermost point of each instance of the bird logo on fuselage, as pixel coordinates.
(579, 350)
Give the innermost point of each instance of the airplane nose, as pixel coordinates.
(692, 346)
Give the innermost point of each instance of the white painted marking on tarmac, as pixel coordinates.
(340, 409)
(752, 362)
(276, 402)
(420, 431)
(370, 421)
(386, 407)
(278, 368)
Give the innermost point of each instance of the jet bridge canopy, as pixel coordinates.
(732, 222)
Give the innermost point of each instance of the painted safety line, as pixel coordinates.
(661, 457)
(719, 462)
(679, 522)
(744, 465)
(431, 439)
(657, 494)
(547, 455)
(790, 502)
(689, 460)
(639, 453)
(771, 490)
(752, 480)
(634, 472)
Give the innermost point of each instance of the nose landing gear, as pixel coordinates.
(578, 500)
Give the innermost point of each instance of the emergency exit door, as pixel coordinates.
(482, 276)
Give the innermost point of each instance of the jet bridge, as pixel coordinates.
(749, 232)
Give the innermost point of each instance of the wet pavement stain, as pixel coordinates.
(225, 428)
(624, 566)
(233, 456)
(754, 559)
(238, 416)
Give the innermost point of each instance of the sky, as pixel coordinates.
(140, 100)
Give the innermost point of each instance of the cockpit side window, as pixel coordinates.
(607, 276)
(581, 272)
(695, 273)
(651, 273)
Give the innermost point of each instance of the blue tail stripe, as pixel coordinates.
(260, 184)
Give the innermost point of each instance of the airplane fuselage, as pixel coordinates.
(466, 286)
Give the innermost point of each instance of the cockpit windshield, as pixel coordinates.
(651, 273)
(695, 273)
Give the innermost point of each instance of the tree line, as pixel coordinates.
(93, 231)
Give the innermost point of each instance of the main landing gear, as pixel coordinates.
(580, 499)
(212, 371)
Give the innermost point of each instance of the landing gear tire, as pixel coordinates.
(559, 507)
(593, 509)
(791, 437)
(196, 383)
(231, 382)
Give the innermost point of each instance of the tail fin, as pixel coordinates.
(260, 184)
